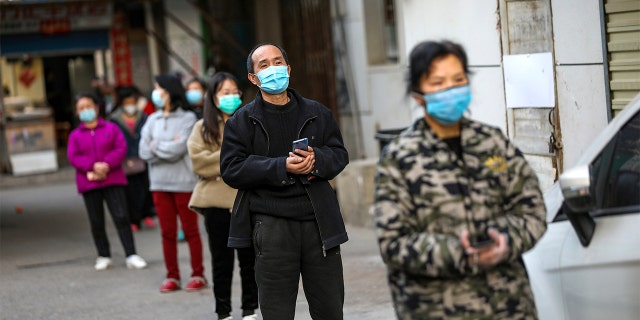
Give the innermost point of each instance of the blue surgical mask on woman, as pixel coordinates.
(194, 96)
(229, 103)
(87, 115)
(274, 79)
(156, 98)
(447, 106)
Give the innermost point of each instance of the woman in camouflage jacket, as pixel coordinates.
(456, 204)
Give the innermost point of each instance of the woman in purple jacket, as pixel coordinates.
(96, 149)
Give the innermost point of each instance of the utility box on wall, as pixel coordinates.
(29, 137)
(355, 187)
(31, 146)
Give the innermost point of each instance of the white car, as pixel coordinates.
(587, 264)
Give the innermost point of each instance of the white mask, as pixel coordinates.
(130, 109)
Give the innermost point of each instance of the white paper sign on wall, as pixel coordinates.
(529, 80)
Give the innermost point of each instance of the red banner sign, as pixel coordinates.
(121, 51)
(53, 26)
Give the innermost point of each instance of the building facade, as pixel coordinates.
(351, 55)
(594, 50)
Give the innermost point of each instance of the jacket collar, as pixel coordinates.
(101, 123)
(258, 110)
(178, 112)
(467, 129)
(117, 116)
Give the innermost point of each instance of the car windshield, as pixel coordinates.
(615, 173)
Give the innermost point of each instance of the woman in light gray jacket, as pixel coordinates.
(163, 145)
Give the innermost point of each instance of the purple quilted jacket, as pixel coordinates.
(104, 143)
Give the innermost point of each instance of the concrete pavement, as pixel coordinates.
(47, 256)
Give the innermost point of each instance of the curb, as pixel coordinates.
(63, 175)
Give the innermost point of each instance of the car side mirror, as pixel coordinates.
(575, 185)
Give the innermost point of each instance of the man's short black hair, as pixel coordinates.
(250, 57)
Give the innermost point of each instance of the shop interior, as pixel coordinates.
(38, 109)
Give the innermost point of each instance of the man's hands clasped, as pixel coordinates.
(301, 162)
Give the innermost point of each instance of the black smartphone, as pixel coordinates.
(302, 144)
(479, 241)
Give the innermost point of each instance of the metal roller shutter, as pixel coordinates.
(623, 48)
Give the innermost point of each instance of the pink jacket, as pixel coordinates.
(104, 143)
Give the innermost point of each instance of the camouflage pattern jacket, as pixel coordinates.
(426, 196)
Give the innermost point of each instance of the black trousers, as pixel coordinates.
(285, 250)
(216, 221)
(139, 200)
(117, 203)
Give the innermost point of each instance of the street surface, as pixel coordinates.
(47, 256)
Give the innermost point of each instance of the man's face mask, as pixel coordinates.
(274, 79)
(447, 106)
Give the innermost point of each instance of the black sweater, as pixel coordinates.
(289, 201)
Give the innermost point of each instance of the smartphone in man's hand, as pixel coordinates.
(302, 144)
(480, 240)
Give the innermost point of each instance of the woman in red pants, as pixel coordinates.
(163, 145)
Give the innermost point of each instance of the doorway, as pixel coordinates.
(65, 76)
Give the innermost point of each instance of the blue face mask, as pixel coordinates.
(274, 79)
(229, 103)
(87, 115)
(447, 106)
(194, 96)
(156, 98)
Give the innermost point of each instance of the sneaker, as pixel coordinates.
(226, 318)
(102, 263)
(148, 222)
(169, 285)
(180, 235)
(250, 317)
(135, 261)
(196, 283)
(134, 227)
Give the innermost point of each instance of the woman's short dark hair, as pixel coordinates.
(202, 83)
(425, 53)
(87, 95)
(211, 114)
(250, 57)
(123, 92)
(174, 87)
(91, 97)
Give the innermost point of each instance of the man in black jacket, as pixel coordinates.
(285, 206)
